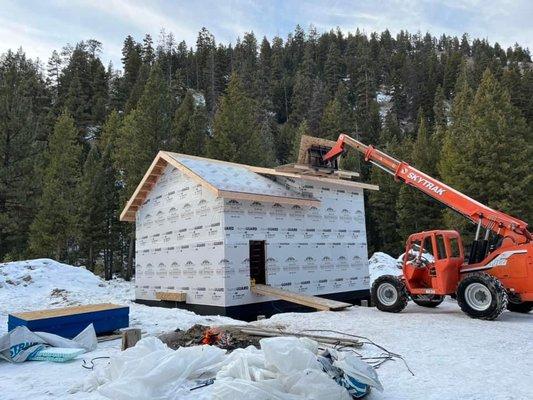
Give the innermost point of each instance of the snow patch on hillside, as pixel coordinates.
(384, 100)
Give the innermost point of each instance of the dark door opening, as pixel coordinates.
(257, 262)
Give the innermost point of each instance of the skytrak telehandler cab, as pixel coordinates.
(497, 274)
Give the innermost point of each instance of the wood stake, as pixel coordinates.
(130, 337)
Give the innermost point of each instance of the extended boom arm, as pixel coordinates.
(496, 221)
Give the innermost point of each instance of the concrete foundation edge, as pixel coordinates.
(249, 312)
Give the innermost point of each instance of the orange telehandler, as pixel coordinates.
(497, 274)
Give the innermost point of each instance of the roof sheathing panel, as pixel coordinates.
(228, 177)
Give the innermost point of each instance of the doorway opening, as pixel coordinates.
(257, 262)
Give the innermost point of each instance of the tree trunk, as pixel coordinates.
(91, 259)
(131, 252)
(110, 263)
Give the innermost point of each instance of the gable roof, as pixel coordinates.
(227, 180)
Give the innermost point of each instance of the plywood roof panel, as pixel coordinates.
(235, 178)
(229, 180)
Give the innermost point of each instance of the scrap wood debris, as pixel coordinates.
(226, 337)
(232, 337)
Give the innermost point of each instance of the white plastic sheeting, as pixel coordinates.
(285, 368)
(151, 370)
(21, 343)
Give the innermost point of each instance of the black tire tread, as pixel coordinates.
(496, 288)
(403, 296)
(523, 307)
(428, 303)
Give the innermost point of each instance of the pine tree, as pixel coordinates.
(145, 131)
(91, 209)
(453, 164)
(83, 88)
(148, 54)
(24, 110)
(495, 147)
(53, 73)
(439, 109)
(316, 107)
(189, 130)
(181, 125)
(111, 130)
(338, 116)
(267, 133)
(416, 210)
(301, 98)
(382, 211)
(278, 80)
(206, 69)
(246, 64)
(137, 88)
(131, 63)
(53, 231)
(114, 230)
(303, 129)
(284, 141)
(332, 68)
(237, 135)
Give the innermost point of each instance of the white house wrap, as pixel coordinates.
(199, 220)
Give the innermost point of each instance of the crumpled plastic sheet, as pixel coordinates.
(20, 343)
(285, 368)
(151, 370)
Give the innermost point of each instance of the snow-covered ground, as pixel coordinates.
(451, 355)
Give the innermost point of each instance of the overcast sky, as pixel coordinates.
(40, 26)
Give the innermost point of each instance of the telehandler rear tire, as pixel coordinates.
(524, 307)
(481, 296)
(429, 301)
(389, 294)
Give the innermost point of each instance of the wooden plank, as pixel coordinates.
(189, 172)
(64, 311)
(171, 296)
(136, 194)
(270, 199)
(312, 178)
(317, 171)
(318, 303)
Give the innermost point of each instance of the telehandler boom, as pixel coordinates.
(498, 272)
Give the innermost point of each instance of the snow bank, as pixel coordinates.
(382, 264)
(44, 282)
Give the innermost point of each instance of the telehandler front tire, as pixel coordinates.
(389, 294)
(481, 296)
